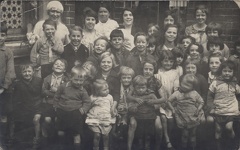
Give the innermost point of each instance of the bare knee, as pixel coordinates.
(77, 139)
(229, 126)
(133, 123)
(158, 124)
(210, 119)
(48, 120)
(36, 119)
(61, 133)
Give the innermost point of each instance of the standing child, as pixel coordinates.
(214, 62)
(26, 102)
(168, 75)
(101, 115)
(215, 45)
(222, 101)
(72, 102)
(143, 112)
(46, 49)
(75, 52)
(117, 47)
(186, 105)
(49, 88)
(101, 45)
(139, 53)
(7, 73)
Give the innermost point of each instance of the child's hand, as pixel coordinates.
(151, 102)
(212, 111)
(196, 112)
(139, 101)
(81, 111)
(1, 90)
(113, 112)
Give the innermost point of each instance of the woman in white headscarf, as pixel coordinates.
(54, 11)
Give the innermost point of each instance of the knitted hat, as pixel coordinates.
(188, 82)
(55, 4)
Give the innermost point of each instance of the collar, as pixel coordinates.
(211, 76)
(75, 48)
(57, 77)
(69, 84)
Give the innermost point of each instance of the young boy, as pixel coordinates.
(49, 88)
(26, 102)
(7, 72)
(46, 49)
(117, 47)
(143, 112)
(75, 52)
(72, 102)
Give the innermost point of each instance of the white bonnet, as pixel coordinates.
(55, 4)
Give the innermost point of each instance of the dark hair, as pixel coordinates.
(200, 48)
(126, 9)
(178, 52)
(214, 26)
(23, 67)
(215, 55)
(139, 80)
(171, 26)
(3, 27)
(62, 60)
(140, 34)
(203, 8)
(75, 28)
(49, 22)
(230, 64)
(151, 60)
(88, 12)
(105, 5)
(116, 33)
(216, 41)
(170, 13)
(236, 43)
(167, 54)
(153, 25)
(188, 37)
(98, 84)
(187, 62)
(152, 41)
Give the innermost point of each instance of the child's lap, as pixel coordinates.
(145, 127)
(48, 110)
(102, 129)
(222, 120)
(69, 121)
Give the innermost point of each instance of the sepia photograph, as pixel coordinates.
(119, 75)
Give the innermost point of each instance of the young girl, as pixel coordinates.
(152, 45)
(180, 58)
(101, 45)
(49, 88)
(27, 100)
(194, 52)
(170, 36)
(214, 62)
(222, 101)
(197, 30)
(215, 45)
(186, 105)
(168, 76)
(102, 114)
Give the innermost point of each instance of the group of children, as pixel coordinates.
(144, 91)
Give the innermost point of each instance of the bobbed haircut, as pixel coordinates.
(116, 33)
(215, 41)
(214, 26)
(124, 70)
(200, 48)
(166, 54)
(49, 22)
(139, 80)
(110, 55)
(203, 8)
(228, 63)
(126, 9)
(97, 85)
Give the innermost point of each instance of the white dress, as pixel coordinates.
(106, 28)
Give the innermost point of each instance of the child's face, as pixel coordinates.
(186, 42)
(54, 14)
(126, 80)
(238, 49)
(27, 74)
(227, 73)
(152, 30)
(75, 37)
(168, 20)
(141, 43)
(90, 23)
(3, 37)
(59, 67)
(179, 60)
(214, 48)
(151, 49)
(201, 16)
(193, 52)
(167, 64)
(191, 69)
(214, 64)
(104, 91)
(100, 46)
(106, 64)
(148, 70)
(117, 42)
(212, 33)
(171, 34)
(127, 17)
(140, 89)
(77, 80)
(49, 30)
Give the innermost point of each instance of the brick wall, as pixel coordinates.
(225, 12)
(69, 12)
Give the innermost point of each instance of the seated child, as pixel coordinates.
(26, 102)
(49, 88)
(117, 47)
(101, 115)
(46, 49)
(75, 52)
(186, 105)
(72, 102)
(144, 111)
